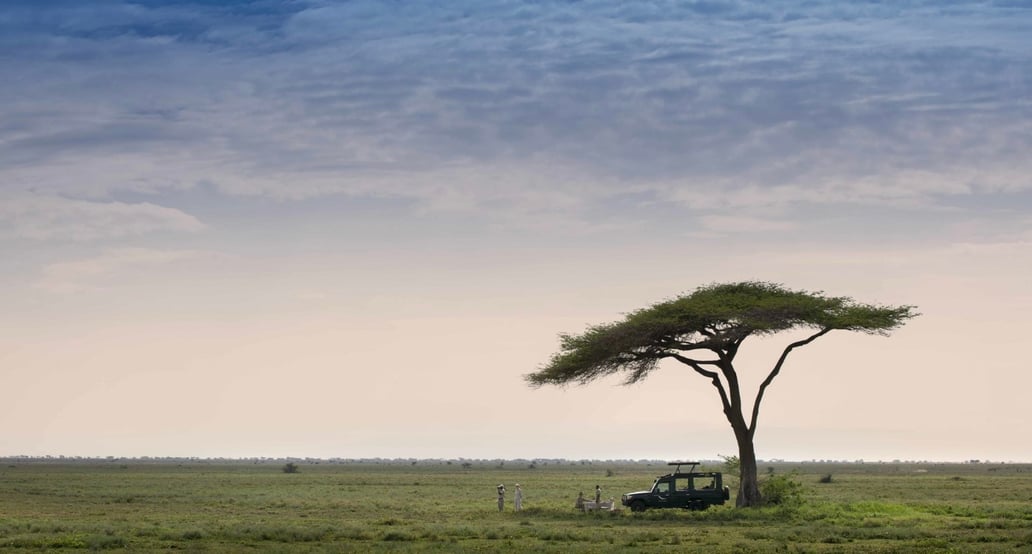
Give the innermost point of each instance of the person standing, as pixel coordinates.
(598, 496)
(517, 498)
(501, 497)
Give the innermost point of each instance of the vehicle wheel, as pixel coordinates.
(637, 506)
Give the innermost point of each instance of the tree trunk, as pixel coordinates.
(749, 485)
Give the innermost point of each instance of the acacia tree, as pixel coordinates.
(704, 331)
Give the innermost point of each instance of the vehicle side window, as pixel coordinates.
(663, 488)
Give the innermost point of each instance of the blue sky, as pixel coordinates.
(404, 203)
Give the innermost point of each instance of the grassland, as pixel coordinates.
(441, 507)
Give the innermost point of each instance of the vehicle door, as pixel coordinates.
(683, 492)
(662, 493)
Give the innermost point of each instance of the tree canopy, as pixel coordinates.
(715, 318)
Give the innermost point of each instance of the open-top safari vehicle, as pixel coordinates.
(690, 490)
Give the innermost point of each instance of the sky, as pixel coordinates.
(348, 229)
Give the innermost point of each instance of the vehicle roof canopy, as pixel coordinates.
(679, 464)
(691, 470)
(692, 474)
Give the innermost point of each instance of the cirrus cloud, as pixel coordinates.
(42, 217)
(91, 273)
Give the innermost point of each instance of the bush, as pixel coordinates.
(825, 479)
(397, 536)
(781, 490)
(105, 542)
(291, 467)
(732, 465)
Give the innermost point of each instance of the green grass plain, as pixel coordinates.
(433, 506)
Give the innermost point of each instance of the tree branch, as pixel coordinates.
(732, 349)
(728, 369)
(712, 345)
(713, 376)
(774, 373)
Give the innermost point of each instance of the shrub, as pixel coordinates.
(732, 464)
(291, 467)
(825, 479)
(105, 542)
(781, 490)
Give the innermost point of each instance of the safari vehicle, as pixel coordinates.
(690, 490)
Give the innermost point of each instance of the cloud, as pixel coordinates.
(791, 104)
(97, 272)
(744, 224)
(41, 217)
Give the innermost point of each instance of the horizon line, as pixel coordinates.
(380, 459)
